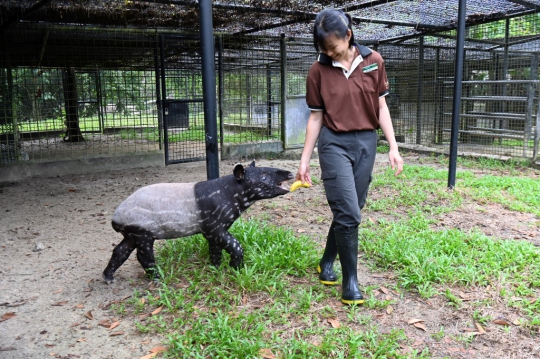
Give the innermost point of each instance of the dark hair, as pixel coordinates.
(331, 22)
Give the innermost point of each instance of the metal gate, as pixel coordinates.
(182, 99)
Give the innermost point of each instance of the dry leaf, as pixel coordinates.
(105, 323)
(301, 230)
(149, 356)
(334, 322)
(79, 306)
(89, 315)
(384, 290)
(142, 301)
(8, 315)
(516, 321)
(414, 320)
(157, 310)
(158, 350)
(267, 354)
(146, 341)
(81, 340)
(418, 342)
(114, 325)
(480, 329)
(74, 324)
(71, 189)
(60, 303)
(116, 333)
(389, 310)
(502, 321)
(420, 326)
(57, 291)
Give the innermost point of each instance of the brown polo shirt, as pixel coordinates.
(350, 101)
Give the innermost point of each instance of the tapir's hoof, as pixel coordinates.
(108, 280)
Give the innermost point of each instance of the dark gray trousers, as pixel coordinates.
(347, 160)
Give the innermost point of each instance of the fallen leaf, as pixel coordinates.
(334, 322)
(142, 301)
(60, 303)
(516, 321)
(149, 356)
(480, 329)
(158, 349)
(116, 333)
(420, 326)
(8, 315)
(267, 354)
(157, 310)
(71, 189)
(384, 290)
(502, 321)
(105, 323)
(418, 342)
(301, 230)
(114, 325)
(146, 341)
(74, 324)
(58, 291)
(414, 320)
(81, 340)
(79, 306)
(389, 309)
(89, 315)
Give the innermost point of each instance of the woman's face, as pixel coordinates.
(336, 47)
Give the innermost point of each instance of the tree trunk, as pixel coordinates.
(73, 130)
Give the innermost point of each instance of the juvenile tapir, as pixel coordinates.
(175, 210)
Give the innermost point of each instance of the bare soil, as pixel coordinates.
(54, 303)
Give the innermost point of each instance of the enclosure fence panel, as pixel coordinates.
(499, 105)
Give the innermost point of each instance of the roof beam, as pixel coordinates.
(526, 4)
(281, 12)
(269, 26)
(32, 9)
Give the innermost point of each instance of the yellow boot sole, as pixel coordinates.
(325, 282)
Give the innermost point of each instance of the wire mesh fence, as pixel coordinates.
(499, 104)
(79, 92)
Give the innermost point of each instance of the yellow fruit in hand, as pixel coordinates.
(299, 184)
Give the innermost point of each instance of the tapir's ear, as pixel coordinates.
(239, 171)
(252, 164)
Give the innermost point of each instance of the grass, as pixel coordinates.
(268, 305)
(275, 305)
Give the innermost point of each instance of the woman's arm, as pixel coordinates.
(388, 129)
(313, 129)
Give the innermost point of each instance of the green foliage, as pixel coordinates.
(223, 313)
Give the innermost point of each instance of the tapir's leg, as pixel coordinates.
(233, 247)
(215, 252)
(145, 254)
(120, 253)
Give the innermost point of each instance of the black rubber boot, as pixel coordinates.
(326, 265)
(347, 246)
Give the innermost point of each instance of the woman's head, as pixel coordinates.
(332, 24)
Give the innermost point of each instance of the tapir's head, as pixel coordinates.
(262, 182)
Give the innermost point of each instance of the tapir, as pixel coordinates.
(176, 210)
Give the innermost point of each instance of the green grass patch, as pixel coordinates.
(273, 303)
(425, 258)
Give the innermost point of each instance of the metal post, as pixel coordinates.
(209, 88)
(164, 104)
(269, 100)
(439, 97)
(419, 92)
(530, 103)
(283, 52)
(456, 107)
(221, 89)
(158, 93)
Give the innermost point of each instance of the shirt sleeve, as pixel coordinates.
(384, 87)
(313, 90)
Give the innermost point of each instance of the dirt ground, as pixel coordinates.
(56, 239)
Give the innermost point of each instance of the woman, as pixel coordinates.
(345, 91)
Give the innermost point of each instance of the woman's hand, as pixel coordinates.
(396, 162)
(303, 173)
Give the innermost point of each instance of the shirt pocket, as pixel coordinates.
(369, 81)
